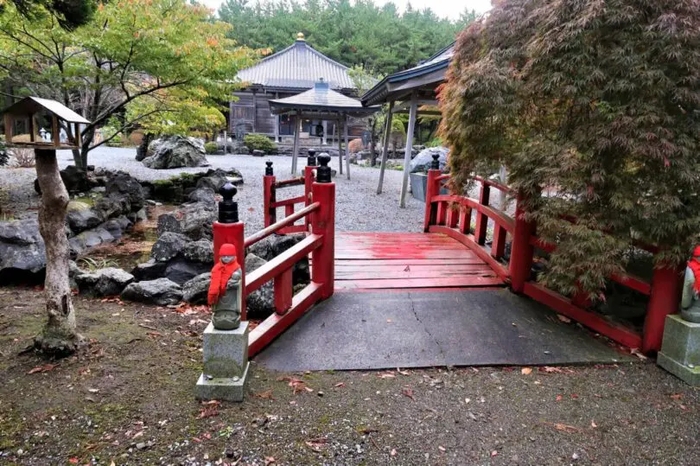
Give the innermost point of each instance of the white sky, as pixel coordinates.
(445, 8)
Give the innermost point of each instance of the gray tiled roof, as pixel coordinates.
(320, 98)
(298, 66)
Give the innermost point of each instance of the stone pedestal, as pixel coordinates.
(225, 364)
(680, 350)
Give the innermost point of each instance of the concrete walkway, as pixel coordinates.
(390, 329)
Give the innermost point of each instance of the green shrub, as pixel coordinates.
(255, 141)
(210, 148)
(435, 142)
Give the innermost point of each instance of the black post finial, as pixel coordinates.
(268, 169)
(228, 208)
(311, 159)
(323, 173)
(435, 164)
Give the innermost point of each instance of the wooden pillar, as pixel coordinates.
(666, 285)
(522, 252)
(325, 133)
(323, 223)
(277, 122)
(503, 178)
(385, 151)
(340, 149)
(347, 156)
(255, 112)
(297, 130)
(409, 147)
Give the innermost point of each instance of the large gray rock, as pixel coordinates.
(181, 271)
(177, 152)
(201, 252)
(423, 161)
(21, 248)
(117, 226)
(122, 185)
(274, 245)
(194, 220)
(81, 217)
(104, 282)
(261, 302)
(89, 239)
(161, 292)
(168, 246)
(150, 270)
(195, 290)
(112, 206)
(204, 195)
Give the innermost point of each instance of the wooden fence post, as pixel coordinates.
(666, 285)
(323, 223)
(432, 189)
(269, 195)
(521, 251)
(228, 229)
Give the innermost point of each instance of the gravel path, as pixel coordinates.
(358, 207)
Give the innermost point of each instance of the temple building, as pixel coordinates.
(286, 73)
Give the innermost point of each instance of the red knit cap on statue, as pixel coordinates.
(696, 251)
(227, 250)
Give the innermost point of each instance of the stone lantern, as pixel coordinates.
(42, 124)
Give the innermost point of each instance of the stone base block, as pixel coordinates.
(225, 351)
(689, 375)
(226, 389)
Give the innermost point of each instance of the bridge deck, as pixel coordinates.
(407, 261)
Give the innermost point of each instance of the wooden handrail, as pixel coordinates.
(495, 184)
(496, 215)
(264, 233)
(281, 263)
(290, 201)
(299, 181)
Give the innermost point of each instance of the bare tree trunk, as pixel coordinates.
(59, 337)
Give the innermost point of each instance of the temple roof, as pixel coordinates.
(297, 67)
(424, 78)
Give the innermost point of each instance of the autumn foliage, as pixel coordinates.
(598, 101)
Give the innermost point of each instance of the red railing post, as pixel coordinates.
(521, 251)
(323, 223)
(229, 230)
(432, 189)
(482, 220)
(269, 195)
(666, 285)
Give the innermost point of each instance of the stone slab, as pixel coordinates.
(390, 329)
(690, 375)
(225, 351)
(225, 389)
(681, 341)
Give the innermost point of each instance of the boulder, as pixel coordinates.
(149, 270)
(204, 195)
(195, 290)
(193, 219)
(88, 239)
(104, 282)
(181, 271)
(215, 179)
(81, 217)
(110, 207)
(122, 185)
(261, 302)
(116, 226)
(161, 292)
(424, 160)
(258, 153)
(201, 252)
(177, 152)
(21, 249)
(168, 246)
(274, 245)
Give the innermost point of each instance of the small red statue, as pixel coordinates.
(225, 290)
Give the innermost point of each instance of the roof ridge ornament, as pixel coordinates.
(300, 37)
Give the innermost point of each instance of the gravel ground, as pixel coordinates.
(358, 207)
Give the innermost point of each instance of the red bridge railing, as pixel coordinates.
(272, 187)
(319, 215)
(454, 215)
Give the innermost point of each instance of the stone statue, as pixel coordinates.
(225, 290)
(690, 302)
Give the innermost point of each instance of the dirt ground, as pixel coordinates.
(127, 399)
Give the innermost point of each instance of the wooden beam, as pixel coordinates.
(340, 150)
(385, 152)
(345, 136)
(408, 152)
(277, 122)
(405, 106)
(255, 112)
(295, 154)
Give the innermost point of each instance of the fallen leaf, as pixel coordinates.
(467, 400)
(44, 368)
(402, 372)
(564, 319)
(297, 385)
(73, 460)
(408, 392)
(441, 448)
(138, 434)
(636, 352)
(559, 397)
(93, 390)
(367, 430)
(593, 425)
(550, 369)
(317, 444)
(269, 460)
(494, 453)
(387, 375)
(267, 395)
(676, 396)
(388, 320)
(210, 409)
(526, 371)
(393, 452)
(565, 428)
(339, 385)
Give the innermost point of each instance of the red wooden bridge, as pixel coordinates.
(463, 246)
